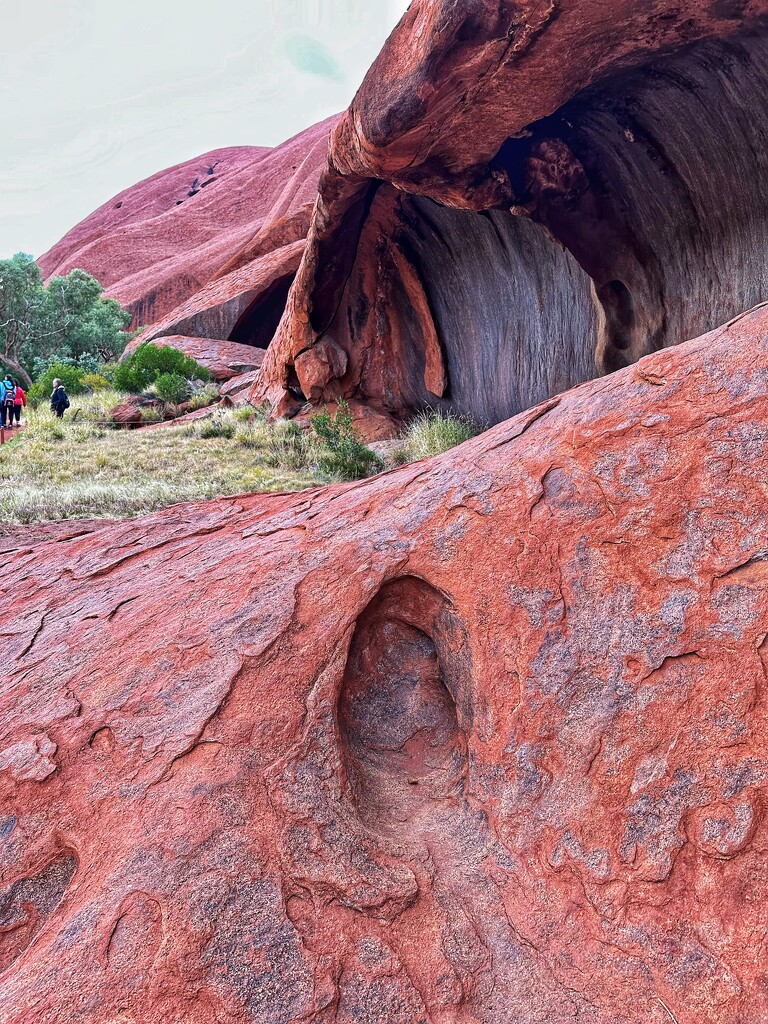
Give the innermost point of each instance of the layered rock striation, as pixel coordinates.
(482, 739)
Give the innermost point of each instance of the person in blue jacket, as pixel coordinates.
(7, 401)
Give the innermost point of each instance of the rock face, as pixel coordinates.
(159, 243)
(524, 195)
(482, 739)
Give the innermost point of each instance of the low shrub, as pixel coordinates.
(70, 376)
(95, 382)
(248, 413)
(288, 446)
(217, 426)
(342, 454)
(149, 362)
(172, 388)
(203, 397)
(151, 414)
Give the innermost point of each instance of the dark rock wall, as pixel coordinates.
(656, 181)
(513, 309)
(480, 314)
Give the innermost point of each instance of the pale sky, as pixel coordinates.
(97, 94)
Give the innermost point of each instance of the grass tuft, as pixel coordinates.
(432, 433)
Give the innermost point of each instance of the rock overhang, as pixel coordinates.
(617, 166)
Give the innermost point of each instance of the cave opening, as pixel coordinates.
(640, 220)
(404, 750)
(258, 323)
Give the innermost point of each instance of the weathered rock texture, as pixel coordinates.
(479, 740)
(159, 243)
(524, 195)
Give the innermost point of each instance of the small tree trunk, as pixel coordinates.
(16, 369)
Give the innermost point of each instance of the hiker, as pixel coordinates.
(21, 400)
(7, 401)
(59, 400)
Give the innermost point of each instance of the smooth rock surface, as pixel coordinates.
(161, 241)
(482, 739)
(524, 196)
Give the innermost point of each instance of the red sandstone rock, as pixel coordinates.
(155, 245)
(481, 739)
(522, 195)
(125, 414)
(245, 304)
(237, 389)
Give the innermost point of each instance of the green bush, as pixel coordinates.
(148, 362)
(172, 388)
(95, 382)
(342, 454)
(70, 376)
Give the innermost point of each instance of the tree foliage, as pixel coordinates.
(150, 361)
(69, 318)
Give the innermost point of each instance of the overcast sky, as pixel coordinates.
(97, 94)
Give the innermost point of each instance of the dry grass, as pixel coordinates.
(432, 433)
(75, 468)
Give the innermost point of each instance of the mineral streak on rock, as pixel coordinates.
(524, 195)
(482, 739)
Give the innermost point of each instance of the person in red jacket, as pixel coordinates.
(21, 400)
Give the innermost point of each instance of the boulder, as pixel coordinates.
(126, 414)
(237, 389)
(479, 739)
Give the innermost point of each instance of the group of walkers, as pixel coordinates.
(12, 399)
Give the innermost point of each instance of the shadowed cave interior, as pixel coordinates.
(258, 323)
(640, 221)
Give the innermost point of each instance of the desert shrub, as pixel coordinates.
(151, 414)
(434, 432)
(203, 397)
(172, 388)
(149, 362)
(246, 413)
(217, 426)
(341, 453)
(254, 433)
(95, 382)
(288, 446)
(70, 376)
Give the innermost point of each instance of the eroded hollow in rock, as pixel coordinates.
(404, 750)
(26, 905)
(258, 323)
